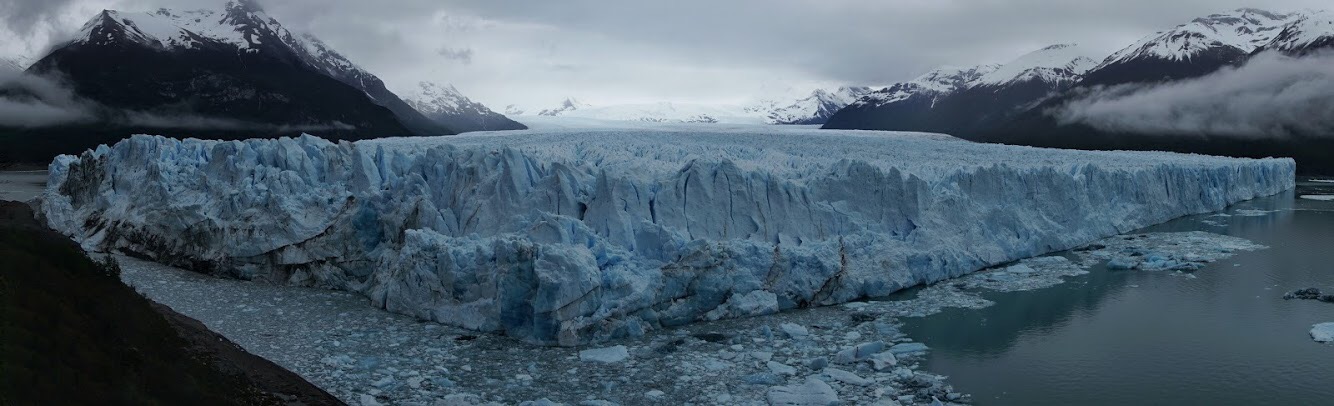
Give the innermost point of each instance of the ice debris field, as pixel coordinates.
(574, 236)
(852, 354)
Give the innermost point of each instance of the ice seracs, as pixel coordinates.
(568, 237)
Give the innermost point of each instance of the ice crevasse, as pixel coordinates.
(566, 237)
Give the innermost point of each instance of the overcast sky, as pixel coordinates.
(536, 52)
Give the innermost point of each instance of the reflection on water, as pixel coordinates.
(1130, 337)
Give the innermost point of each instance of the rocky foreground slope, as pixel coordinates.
(567, 237)
(72, 333)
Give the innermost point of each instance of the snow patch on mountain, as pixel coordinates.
(1309, 32)
(669, 112)
(566, 106)
(813, 109)
(1244, 30)
(935, 84)
(1056, 65)
(567, 237)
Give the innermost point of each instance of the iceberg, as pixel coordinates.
(566, 237)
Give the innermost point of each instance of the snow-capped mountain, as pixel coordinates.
(813, 109)
(666, 112)
(1057, 65)
(961, 100)
(802, 108)
(931, 85)
(1309, 32)
(566, 106)
(1193, 54)
(236, 64)
(1192, 49)
(447, 106)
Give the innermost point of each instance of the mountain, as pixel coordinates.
(962, 101)
(317, 55)
(570, 104)
(907, 105)
(227, 74)
(662, 112)
(450, 108)
(813, 109)
(797, 108)
(1187, 57)
(9, 66)
(1192, 49)
(1306, 34)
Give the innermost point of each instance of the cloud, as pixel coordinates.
(22, 16)
(1270, 96)
(29, 101)
(463, 55)
(198, 122)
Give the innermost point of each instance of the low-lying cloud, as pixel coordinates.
(32, 101)
(1272, 95)
(28, 101)
(197, 122)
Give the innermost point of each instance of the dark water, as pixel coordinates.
(1139, 338)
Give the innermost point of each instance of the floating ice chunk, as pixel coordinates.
(780, 368)
(884, 361)
(1254, 212)
(813, 392)
(368, 400)
(908, 348)
(1323, 198)
(794, 330)
(1323, 332)
(607, 355)
(847, 377)
(859, 353)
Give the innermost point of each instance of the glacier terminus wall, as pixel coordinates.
(565, 237)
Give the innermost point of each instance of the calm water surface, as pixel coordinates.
(1225, 337)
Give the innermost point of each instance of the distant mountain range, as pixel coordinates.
(230, 73)
(446, 105)
(1017, 102)
(813, 108)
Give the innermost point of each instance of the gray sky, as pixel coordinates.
(537, 52)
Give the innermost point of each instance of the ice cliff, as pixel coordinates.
(566, 237)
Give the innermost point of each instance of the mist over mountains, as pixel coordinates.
(1245, 83)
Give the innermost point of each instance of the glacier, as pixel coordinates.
(568, 236)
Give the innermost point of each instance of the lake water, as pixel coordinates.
(1225, 337)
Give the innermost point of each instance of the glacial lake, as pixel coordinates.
(1223, 337)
